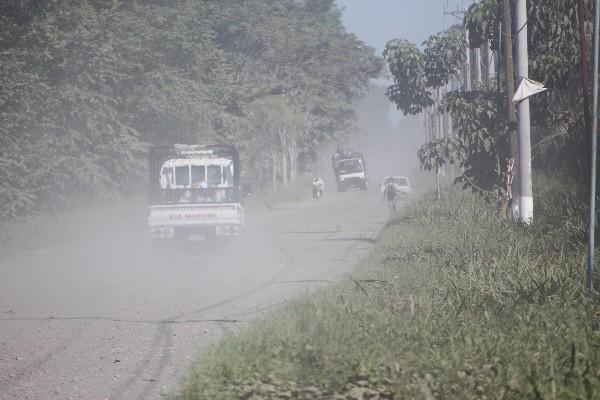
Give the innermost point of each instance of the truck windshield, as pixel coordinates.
(198, 175)
(214, 175)
(350, 166)
(401, 181)
(182, 176)
(228, 175)
(196, 182)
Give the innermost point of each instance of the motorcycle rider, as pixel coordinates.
(317, 187)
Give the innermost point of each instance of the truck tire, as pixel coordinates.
(363, 186)
(340, 187)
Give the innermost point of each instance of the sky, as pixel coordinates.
(378, 21)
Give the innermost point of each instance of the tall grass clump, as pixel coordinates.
(452, 303)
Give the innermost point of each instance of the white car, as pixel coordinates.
(401, 184)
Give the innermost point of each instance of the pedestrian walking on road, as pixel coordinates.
(390, 194)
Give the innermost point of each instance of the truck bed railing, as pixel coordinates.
(195, 196)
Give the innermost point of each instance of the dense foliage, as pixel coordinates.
(409, 91)
(554, 59)
(86, 86)
(480, 140)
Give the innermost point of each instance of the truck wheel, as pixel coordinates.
(363, 186)
(340, 187)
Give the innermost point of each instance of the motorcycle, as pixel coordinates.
(317, 192)
(317, 188)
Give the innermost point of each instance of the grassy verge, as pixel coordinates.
(452, 303)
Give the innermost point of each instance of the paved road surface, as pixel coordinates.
(101, 318)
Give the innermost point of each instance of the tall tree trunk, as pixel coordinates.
(467, 65)
(438, 114)
(274, 171)
(478, 74)
(284, 168)
(283, 139)
(437, 181)
(292, 150)
(491, 64)
(284, 156)
(510, 90)
(259, 177)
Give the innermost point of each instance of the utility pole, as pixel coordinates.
(510, 108)
(523, 122)
(584, 67)
(594, 144)
(459, 13)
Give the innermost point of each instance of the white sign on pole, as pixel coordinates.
(528, 88)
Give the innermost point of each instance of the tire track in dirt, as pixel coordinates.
(122, 391)
(26, 372)
(163, 362)
(162, 343)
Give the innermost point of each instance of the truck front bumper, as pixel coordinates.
(352, 182)
(194, 233)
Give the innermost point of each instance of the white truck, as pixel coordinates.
(195, 192)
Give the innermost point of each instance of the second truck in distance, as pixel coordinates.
(349, 169)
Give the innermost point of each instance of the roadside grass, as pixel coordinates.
(452, 303)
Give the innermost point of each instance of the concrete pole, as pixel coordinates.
(585, 79)
(594, 146)
(523, 119)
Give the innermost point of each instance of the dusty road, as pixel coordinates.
(101, 318)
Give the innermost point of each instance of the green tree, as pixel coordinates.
(87, 85)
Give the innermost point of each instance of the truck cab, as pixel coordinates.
(195, 192)
(350, 170)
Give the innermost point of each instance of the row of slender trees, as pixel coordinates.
(465, 73)
(87, 85)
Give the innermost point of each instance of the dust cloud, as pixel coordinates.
(89, 309)
(388, 140)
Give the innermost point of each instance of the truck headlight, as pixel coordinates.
(163, 232)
